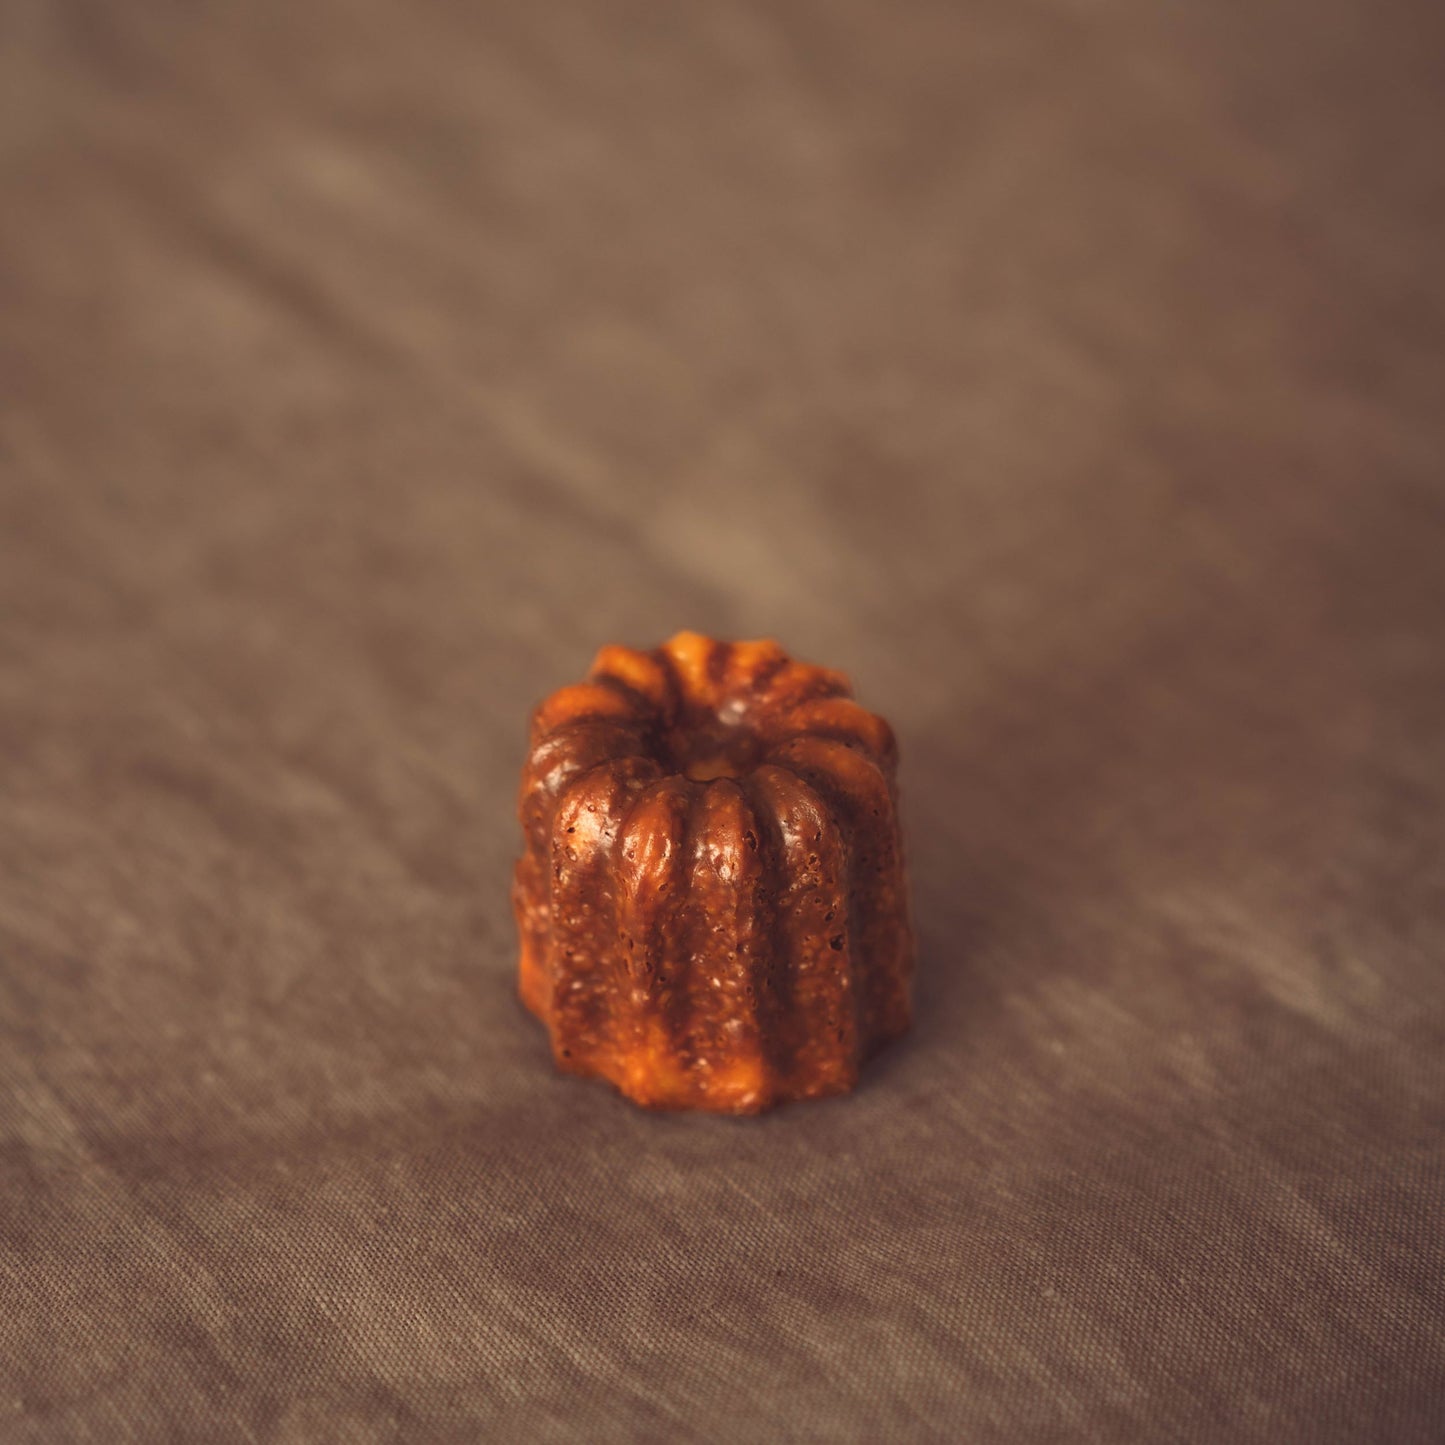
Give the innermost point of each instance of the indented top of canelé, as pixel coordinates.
(711, 709)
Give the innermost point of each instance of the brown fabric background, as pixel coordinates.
(1072, 374)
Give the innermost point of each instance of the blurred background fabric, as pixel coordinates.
(1072, 375)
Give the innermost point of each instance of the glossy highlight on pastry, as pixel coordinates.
(711, 898)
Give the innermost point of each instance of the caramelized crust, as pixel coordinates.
(711, 898)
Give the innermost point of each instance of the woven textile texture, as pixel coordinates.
(1072, 375)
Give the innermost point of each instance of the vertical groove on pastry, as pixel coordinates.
(719, 654)
(863, 796)
(676, 709)
(719, 946)
(755, 664)
(689, 654)
(675, 946)
(583, 924)
(766, 957)
(642, 673)
(812, 929)
(653, 878)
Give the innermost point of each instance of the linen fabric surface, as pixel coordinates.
(1073, 376)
